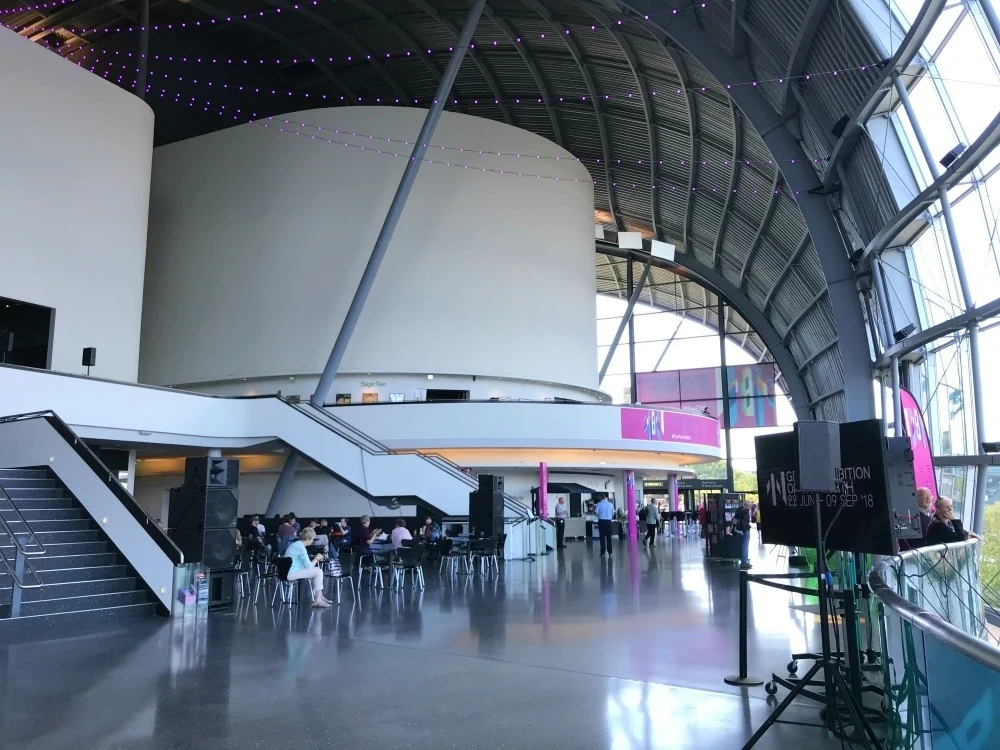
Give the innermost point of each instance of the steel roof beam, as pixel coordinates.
(817, 354)
(803, 244)
(802, 314)
(647, 108)
(824, 397)
(39, 29)
(711, 281)
(765, 222)
(928, 335)
(797, 60)
(736, 30)
(324, 23)
(400, 32)
(291, 44)
(733, 174)
(529, 62)
(798, 174)
(959, 169)
(588, 80)
(484, 69)
(907, 50)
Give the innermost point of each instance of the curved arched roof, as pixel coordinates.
(705, 125)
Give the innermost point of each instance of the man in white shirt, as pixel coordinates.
(561, 514)
(400, 534)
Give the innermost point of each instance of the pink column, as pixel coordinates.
(543, 490)
(633, 532)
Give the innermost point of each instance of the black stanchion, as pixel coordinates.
(742, 679)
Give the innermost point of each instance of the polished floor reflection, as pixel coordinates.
(571, 650)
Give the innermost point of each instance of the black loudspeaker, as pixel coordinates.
(490, 483)
(486, 504)
(491, 526)
(195, 508)
(840, 126)
(214, 548)
(90, 356)
(202, 471)
(220, 588)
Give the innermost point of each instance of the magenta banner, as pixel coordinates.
(669, 427)
(920, 443)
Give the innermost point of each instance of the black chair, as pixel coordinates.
(367, 561)
(483, 550)
(407, 543)
(407, 559)
(288, 589)
(448, 557)
(346, 560)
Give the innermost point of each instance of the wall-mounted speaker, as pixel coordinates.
(90, 356)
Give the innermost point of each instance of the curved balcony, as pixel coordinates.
(941, 655)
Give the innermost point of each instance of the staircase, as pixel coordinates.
(83, 575)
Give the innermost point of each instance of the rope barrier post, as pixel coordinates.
(742, 679)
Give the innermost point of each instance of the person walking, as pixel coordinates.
(605, 512)
(561, 514)
(741, 527)
(652, 515)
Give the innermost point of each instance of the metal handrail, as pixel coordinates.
(20, 549)
(27, 526)
(929, 622)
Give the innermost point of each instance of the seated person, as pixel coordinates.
(321, 540)
(346, 528)
(400, 533)
(925, 504)
(286, 535)
(255, 528)
(337, 536)
(303, 567)
(295, 522)
(944, 527)
(323, 529)
(431, 531)
(366, 535)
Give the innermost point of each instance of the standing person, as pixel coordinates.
(561, 514)
(741, 527)
(605, 513)
(702, 515)
(652, 516)
(303, 567)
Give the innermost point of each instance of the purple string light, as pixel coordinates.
(240, 117)
(37, 6)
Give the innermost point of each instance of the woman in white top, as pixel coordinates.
(303, 567)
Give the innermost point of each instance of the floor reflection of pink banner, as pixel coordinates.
(669, 427)
(920, 442)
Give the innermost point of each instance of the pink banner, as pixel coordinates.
(543, 490)
(920, 443)
(669, 427)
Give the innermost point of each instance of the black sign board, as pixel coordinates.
(703, 484)
(866, 522)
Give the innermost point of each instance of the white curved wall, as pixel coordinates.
(258, 239)
(75, 155)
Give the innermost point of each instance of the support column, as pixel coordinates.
(673, 493)
(626, 317)
(325, 384)
(143, 51)
(543, 490)
(130, 482)
(633, 531)
(725, 393)
(979, 507)
(631, 336)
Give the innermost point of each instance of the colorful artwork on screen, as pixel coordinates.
(669, 426)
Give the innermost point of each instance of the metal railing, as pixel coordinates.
(368, 444)
(936, 647)
(21, 553)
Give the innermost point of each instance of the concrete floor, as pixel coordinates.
(570, 651)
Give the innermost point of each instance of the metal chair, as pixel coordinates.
(448, 557)
(368, 561)
(407, 559)
(346, 559)
(483, 550)
(288, 589)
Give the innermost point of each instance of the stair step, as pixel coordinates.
(34, 515)
(29, 473)
(74, 561)
(67, 621)
(77, 603)
(57, 550)
(47, 526)
(31, 483)
(69, 575)
(24, 493)
(44, 503)
(71, 589)
(59, 537)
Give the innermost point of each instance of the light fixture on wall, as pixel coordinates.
(903, 332)
(948, 159)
